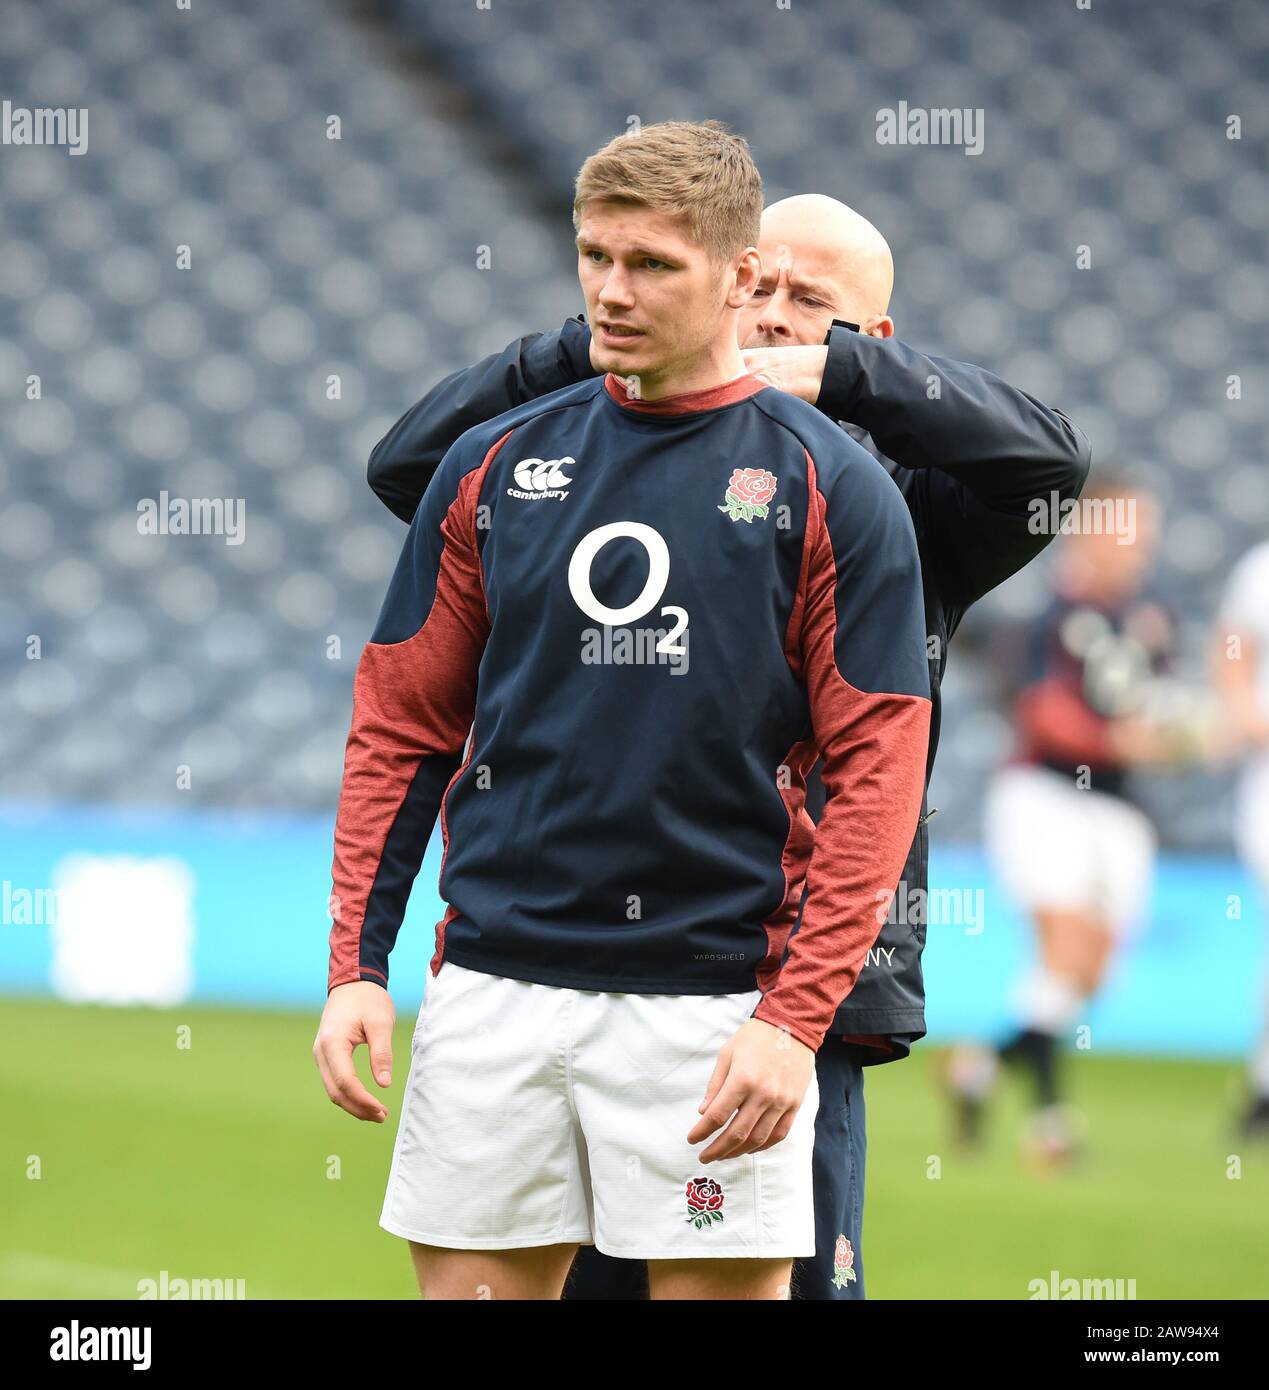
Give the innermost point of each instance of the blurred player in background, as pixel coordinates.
(1242, 677)
(1061, 828)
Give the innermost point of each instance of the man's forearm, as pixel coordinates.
(403, 462)
(861, 655)
(414, 699)
(1003, 445)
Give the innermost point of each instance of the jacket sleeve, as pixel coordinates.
(987, 451)
(402, 463)
(860, 649)
(414, 699)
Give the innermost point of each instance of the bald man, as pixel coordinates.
(967, 451)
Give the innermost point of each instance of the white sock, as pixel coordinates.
(1260, 1070)
(1047, 1002)
(973, 1071)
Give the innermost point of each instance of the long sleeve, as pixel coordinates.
(403, 462)
(987, 451)
(860, 648)
(414, 700)
(1055, 721)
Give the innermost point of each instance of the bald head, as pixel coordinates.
(821, 260)
(848, 243)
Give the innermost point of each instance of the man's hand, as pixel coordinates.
(759, 1083)
(355, 1013)
(1253, 729)
(1142, 743)
(798, 370)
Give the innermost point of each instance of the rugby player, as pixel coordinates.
(1242, 677)
(1063, 827)
(626, 846)
(968, 452)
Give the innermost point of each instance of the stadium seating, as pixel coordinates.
(313, 258)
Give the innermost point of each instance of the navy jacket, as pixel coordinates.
(967, 451)
(652, 617)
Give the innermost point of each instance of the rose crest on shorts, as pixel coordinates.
(748, 493)
(704, 1201)
(843, 1263)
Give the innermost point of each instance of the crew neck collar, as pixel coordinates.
(688, 402)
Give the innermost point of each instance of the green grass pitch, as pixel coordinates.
(224, 1160)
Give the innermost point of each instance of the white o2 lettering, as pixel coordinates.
(658, 576)
(664, 645)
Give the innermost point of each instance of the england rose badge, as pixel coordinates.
(704, 1201)
(843, 1263)
(748, 494)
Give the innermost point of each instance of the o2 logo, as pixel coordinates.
(658, 576)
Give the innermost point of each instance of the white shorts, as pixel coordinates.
(537, 1115)
(1056, 846)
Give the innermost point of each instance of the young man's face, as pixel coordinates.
(640, 273)
(1115, 560)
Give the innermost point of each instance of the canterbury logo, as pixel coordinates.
(541, 478)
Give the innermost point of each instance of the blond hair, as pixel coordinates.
(696, 170)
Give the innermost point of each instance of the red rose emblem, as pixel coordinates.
(843, 1263)
(753, 485)
(704, 1200)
